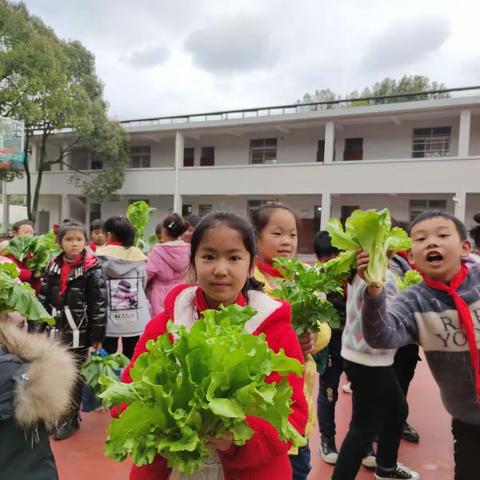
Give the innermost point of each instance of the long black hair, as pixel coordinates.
(237, 223)
(121, 227)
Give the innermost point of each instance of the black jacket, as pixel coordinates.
(85, 295)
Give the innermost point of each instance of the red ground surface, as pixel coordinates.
(81, 456)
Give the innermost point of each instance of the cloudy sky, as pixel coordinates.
(164, 57)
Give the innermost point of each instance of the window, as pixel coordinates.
(204, 209)
(263, 150)
(80, 159)
(320, 150)
(139, 156)
(346, 211)
(431, 142)
(188, 157)
(419, 206)
(353, 149)
(95, 211)
(207, 156)
(186, 210)
(96, 164)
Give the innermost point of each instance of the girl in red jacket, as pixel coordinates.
(222, 258)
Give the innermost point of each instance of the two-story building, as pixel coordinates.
(323, 160)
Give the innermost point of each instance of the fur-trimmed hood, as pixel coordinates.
(44, 393)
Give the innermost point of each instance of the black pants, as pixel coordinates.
(378, 406)
(80, 355)
(301, 463)
(110, 345)
(328, 391)
(405, 362)
(466, 442)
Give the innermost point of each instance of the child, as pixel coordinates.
(97, 234)
(330, 378)
(275, 228)
(167, 262)
(73, 290)
(124, 269)
(36, 379)
(192, 222)
(442, 315)
(23, 228)
(222, 257)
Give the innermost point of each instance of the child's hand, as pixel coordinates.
(307, 342)
(97, 346)
(221, 443)
(362, 264)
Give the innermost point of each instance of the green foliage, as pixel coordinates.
(411, 277)
(109, 366)
(201, 386)
(372, 232)
(52, 86)
(140, 214)
(306, 288)
(20, 297)
(38, 251)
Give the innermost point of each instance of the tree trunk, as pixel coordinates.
(38, 184)
(28, 177)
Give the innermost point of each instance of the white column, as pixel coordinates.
(326, 210)
(464, 133)
(179, 146)
(6, 208)
(64, 207)
(460, 200)
(329, 142)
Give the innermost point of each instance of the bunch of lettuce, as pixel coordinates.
(109, 365)
(140, 214)
(201, 386)
(37, 251)
(372, 232)
(306, 288)
(411, 277)
(20, 297)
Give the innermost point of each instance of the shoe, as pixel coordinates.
(66, 429)
(400, 472)
(328, 450)
(347, 388)
(410, 434)
(370, 460)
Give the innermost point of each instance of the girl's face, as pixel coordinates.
(73, 244)
(222, 265)
(279, 236)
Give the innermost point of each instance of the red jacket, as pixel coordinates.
(264, 456)
(26, 275)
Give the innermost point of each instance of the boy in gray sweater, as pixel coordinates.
(443, 315)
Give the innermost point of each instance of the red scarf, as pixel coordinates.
(93, 247)
(67, 267)
(268, 269)
(201, 302)
(114, 243)
(464, 316)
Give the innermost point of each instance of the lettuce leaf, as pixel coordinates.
(109, 365)
(201, 386)
(372, 232)
(140, 214)
(411, 277)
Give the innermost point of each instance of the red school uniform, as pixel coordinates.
(264, 455)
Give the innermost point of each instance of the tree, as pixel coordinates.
(386, 87)
(51, 84)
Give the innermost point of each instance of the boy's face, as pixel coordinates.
(98, 236)
(437, 248)
(24, 230)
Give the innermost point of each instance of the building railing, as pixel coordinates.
(297, 108)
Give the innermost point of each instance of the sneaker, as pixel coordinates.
(347, 388)
(400, 472)
(66, 429)
(370, 460)
(410, 434)
(328, 450)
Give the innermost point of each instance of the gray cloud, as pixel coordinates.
(407, 41)
(237, 44)
(151, 56)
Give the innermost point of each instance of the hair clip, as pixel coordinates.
(171, 224)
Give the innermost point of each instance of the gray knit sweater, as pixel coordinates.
(428, 316)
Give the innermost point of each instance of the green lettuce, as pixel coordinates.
(201, 386)
(411, 277)
(372, 232)
(109, 365)
(306, 288)
(140, 214)
(20, 297)
(19, 247)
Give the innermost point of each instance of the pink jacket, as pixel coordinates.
(167, 265)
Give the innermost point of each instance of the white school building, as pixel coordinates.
(323, 160)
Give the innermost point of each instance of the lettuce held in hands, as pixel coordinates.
(201, 386)
(372, 232)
